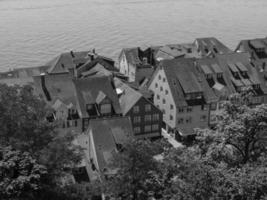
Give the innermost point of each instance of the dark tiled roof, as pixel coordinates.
(106, 134)
(98, 69)
(172, 51)
(129, 96)
(64, 61)
(87, 91)
(213, 45)
(244, 59)
(106, 64)
(59, 86)
(216, 67)
(135, 55)
(132, 55)
(183, 77)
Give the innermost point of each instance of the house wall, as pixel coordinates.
(92, 158)
(154, 132)
(159, 86)
(197, 117)
(191, 119)
(132, 72)
(123, 65)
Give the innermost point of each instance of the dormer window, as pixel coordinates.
(207, 71)
(189, 50)
(91, 109)
(145, 61)
(234, 70)
(191, 96)
(256, 86)
(219, 75)
(105, 108)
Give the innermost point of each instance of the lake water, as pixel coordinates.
(34, 31)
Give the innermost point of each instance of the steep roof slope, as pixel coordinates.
(87, 91)
(128, 97)
(107, 134)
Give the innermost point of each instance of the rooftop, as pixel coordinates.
(128, 97)
(107, 135)
(65, 61)
(211, 45)
(87, 91)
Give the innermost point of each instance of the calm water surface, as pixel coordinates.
(34, 31)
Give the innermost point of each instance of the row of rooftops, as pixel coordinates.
(201, 47)
(206, 80)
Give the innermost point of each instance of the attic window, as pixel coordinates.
(145, 61)
(62, 65)
(105, 108)
(219, 75)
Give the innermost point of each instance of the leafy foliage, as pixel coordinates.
(36, 153)
(23, 120)
(20, 174)
(138, 174)
(226, 163)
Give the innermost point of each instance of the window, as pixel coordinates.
(188, 120)
(171, 117)
(137, 119)
(147, 118)
(203, 118)
(180, 121)
(155, 117)
(180, 110)
(105, 108)
(163, 111)
(171, 106)
(155, 127)
(203, 107)
(166, 92)
(256, 86)
(147, 128)
(159, 77)
(136, 109)
(163, 101)
(147, 107)
(161, 88)
(189, 109)
(208, 76)
(219, 75)
(156, 85)
(158, 97)
(163, 79)
(213, 106)
(137, 129)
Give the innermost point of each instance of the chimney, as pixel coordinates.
(72, 54)
(72, 72)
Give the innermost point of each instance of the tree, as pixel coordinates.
(23, 119)
(138, 173)
(20, 174)
(241, 135)
(24, 128)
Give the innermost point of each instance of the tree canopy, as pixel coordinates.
(33, 156)
(228, 162)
